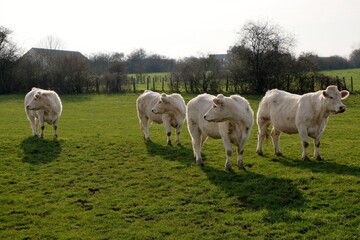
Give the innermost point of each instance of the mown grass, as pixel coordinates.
(100, 180)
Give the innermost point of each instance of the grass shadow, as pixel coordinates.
(172, 153)
(256, 191)
(39, 150)
(324, 166)
(253, 191)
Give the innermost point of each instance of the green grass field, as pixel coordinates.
(347, 74)
(100, 180)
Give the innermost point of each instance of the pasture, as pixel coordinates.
(347, 74)
(100, 180)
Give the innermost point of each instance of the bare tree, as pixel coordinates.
(109, 71)
(136, 61)
(51, 42)
(8, 56)
(355, 58)
(261, 46)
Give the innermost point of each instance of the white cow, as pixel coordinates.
(42, 106)
(228, 118)
(161, 108)
(304, 114)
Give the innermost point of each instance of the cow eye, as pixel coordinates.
(331, 97)
(160, 102)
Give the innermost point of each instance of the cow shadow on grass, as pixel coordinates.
(39, 150)
(251, 190)
(323, 166)
(172, 153)
(256, 191)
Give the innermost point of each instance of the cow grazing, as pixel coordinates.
(228, 118)
(304, 114)
(161, 108)
(42, 106)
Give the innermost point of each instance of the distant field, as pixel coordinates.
(100, 180)
(347, 73)
(155, 82)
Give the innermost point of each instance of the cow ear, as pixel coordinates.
(220, 96)
(217, 101)
(325, 94)
(37, 95)
(163, 97)
(344, 94)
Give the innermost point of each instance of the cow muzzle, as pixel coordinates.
(207, 119)
(341, 109)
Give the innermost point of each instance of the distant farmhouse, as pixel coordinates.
(60, 70)
(46, 57)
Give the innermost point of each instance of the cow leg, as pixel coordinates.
(145, 122)
(42, 126)
(202, 140)
(317, 148)
(263, 125)
(304, 141)
(34, 123)
(55, 128)
(275, 135)
(196, 140)
(228, 150)
(167, 126)
(178, 131)
(241, 148)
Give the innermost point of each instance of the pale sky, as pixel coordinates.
(179, 28)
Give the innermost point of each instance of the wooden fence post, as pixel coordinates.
(352, 84)
(338, 83)
(162, 84)
(313, 83)
(227, 84)
(133, 83)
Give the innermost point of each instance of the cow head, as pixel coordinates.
(37, 102)
(162, 105)
(217, 113)
(333, 99)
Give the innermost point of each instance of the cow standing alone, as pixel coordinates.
(304, 114)
(42, 106)
(228, 118)
(161, 108)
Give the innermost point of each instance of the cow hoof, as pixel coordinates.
(306, 159)
(279, 154)
(242, 168)
(200, 162)
(260, 153)
(169, 144)
(147, 139)
(319, 158)
(228, 168)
